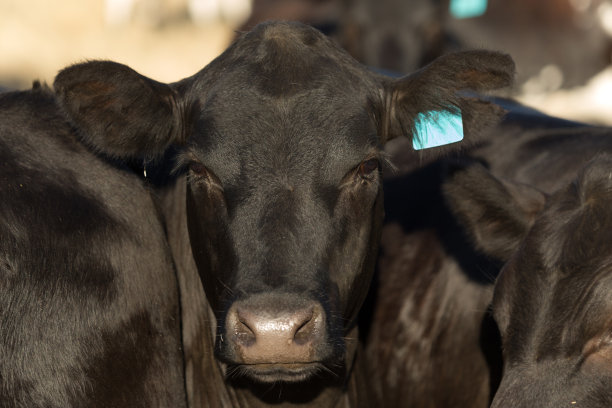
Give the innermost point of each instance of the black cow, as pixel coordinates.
(274, 208)
(552, 300)
(89, 310)
(431, 341)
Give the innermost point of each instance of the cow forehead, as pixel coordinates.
(283, 59)
(284, 105)
(311, 135)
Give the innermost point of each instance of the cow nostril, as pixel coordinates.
(243, 333)
(305, 329)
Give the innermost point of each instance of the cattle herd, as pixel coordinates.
(263, 233)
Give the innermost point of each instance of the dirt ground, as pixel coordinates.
(39, 37)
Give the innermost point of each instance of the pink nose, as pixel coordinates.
(263, 336)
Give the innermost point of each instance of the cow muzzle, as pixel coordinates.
(274, 340)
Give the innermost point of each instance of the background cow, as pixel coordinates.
(273, 212)
(555, 43)
(430, 337)
(552, 300)
(89, 311)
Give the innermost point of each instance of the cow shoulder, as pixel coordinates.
(87, 280)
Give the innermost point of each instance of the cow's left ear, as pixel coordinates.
(496, 213)
(434, 107)
(118, 111)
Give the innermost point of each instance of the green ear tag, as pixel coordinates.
(437, 128)
(468, 8)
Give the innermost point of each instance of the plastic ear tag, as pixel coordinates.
(437, 128)
(468, 8)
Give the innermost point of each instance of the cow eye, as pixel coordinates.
(200, 175)
(198, 169)
(367, 167)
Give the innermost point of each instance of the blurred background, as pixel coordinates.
(563, 48)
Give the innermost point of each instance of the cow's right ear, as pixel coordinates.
(120, 112)
(496, 213)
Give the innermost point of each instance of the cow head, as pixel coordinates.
(553, 298)
(280, 139)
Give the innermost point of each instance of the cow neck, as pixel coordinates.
(204, 380)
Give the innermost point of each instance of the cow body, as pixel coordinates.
(88, 296)
(551, 300)
(274, 208)
(431, 339)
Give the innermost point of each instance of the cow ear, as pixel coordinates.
(118, 111)
(434, 106)
(496, 213)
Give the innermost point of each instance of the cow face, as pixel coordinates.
(553, 301)
(553, 298)
(280, 140)
(283, 202)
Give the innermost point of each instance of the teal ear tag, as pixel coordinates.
(468, 8)
(437, 128)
